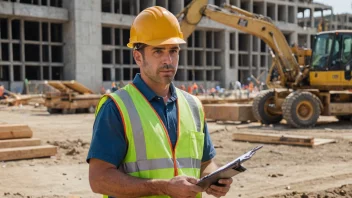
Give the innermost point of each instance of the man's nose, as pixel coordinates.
(167, 59)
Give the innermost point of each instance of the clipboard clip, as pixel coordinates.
(249, 154)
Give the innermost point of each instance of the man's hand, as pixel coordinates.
(218, 191)
(182, 186)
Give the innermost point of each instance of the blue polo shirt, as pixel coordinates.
(108, 140)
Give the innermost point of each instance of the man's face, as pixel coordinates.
(159, 63)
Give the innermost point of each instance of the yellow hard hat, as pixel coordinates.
(155, 26)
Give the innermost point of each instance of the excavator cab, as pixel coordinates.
(331, 60)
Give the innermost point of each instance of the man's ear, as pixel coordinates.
(138, 57)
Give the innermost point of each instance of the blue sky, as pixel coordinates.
(339, 6)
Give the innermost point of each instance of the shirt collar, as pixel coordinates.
(149, 93)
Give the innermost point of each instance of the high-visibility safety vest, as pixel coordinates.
(150, 153)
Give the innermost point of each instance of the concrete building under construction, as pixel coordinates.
(85, 40)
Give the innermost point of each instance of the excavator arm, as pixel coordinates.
(260, 26)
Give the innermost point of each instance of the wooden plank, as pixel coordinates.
(77, 87)
(59, 86)
(223, 100)
(274, 139)
(229, 112)
(87, 97)
(27, 152)
(11, 131)
(75, 104)
(318, 141)
(19, 142)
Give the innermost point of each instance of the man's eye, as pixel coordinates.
(158, 51)
(173, 51)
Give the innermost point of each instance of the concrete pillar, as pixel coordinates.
(138, 7)
(312, 17)
(9, 32)
(228, 73)
(41, 51)
(304, 20)
(286, 13)
(112, 70)
(251, 40)
(257, 71)
(50, 54)
(0, 49)
(112, 6)
(308, 41)
(23, 70)
(83, 47)
(276, 12)
(236, 57)
(295, 11)
(293, 37)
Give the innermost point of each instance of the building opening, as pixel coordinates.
(4, 73)
(32, 72)
(57, 73)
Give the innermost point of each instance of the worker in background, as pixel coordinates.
(237, 89)
(3, 93)
(190, 89)
(102, 90)
(195, 89)
(250, 87)
(121, 84)
(183, 87)
(133, 152)
(212, 92)
(201, 90)
(113, 87)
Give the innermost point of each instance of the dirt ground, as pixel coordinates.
(275, 171)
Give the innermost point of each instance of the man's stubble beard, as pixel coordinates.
(155, 77)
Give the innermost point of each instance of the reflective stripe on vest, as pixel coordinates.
(138, 133)
(154, 164)
(194, 108)
(145, 159)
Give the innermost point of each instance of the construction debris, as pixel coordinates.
(280, 139)
(16, 143)
(206, 100)
(13, 99)
(70, 97)
(229, 112)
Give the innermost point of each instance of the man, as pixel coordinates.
(3, 93)
(113, 87)
(150, 138)
(238, 86)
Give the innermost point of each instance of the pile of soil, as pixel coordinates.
(71, 147)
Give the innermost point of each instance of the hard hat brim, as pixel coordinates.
(168, 41)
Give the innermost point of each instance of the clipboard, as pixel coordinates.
(227, 171)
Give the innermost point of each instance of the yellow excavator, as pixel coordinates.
(298, 92)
